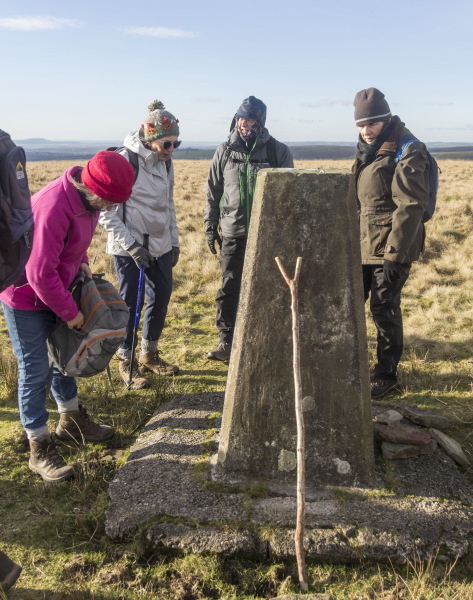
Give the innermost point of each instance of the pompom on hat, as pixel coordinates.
(370, 106)
(109, 176)
(159, 123)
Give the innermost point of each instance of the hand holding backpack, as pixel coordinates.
(87, 351)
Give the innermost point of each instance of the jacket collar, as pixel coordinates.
(236, 143)
(390, 145)
(388, 148)
(72, 193)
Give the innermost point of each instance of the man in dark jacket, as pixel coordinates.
(392, 194)
(229, 199)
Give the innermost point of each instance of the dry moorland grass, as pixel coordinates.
(57, 532)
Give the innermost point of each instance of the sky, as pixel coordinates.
(88, 70)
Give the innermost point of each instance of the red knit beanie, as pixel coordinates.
(109, 176)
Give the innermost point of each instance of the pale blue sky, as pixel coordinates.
(88, 70)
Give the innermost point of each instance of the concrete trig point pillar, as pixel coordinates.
(311, 214)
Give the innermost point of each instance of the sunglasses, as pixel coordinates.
(167, 145)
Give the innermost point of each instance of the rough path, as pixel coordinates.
(165, 486)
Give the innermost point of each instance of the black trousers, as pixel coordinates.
(232, 257)
(385, 305)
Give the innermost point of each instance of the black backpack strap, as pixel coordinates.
(225, 157)
(168, 164)
(133, 158)
(134, 162)
(271, 151)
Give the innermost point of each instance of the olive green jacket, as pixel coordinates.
(391, 201)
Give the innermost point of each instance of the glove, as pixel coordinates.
(140, 255)
(391, 270)
(212, 237)
(175, 255)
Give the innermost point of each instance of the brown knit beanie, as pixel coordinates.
(370, 106)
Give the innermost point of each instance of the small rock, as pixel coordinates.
(451, 447)
(394, 451)
(402, 434)
(426, 418)
(390, 416)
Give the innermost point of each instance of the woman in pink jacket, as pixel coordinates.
(65, 215)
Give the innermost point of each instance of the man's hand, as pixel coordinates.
(212, 237)
(140, 255)
(76, 322)
(391, 270)
(175, 255)
(87, 270)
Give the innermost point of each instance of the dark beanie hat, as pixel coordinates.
(109, 176)
(252, 108)
(370, 105)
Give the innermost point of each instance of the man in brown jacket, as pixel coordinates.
(392, 194)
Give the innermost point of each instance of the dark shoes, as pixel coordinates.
(9, 572)
(138, 382)
(47, 462)
(222, 352)
(78, 425)
(151, 361)
(381, 386)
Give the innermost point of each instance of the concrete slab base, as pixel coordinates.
(419, 507)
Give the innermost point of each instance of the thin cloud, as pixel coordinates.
(36, 23)
(160, 32)
(326, 102)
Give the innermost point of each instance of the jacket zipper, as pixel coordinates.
(248, 186)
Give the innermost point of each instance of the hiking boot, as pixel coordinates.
(78, 425)
(138, 382)
(151, 361)
(9, 572)
(381, 386)
(221, 352)
(47, 462)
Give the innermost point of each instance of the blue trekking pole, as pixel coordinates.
(139, 303)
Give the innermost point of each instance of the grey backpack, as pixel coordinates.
(86, 352)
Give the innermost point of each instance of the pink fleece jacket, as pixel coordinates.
(63, 232)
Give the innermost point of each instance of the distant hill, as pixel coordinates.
(322, 152)
(38, 149)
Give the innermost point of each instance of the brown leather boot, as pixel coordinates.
(78, 425)
(9, 572)
(222, 352)
(47, 462)
(151, 361)
(138, 382)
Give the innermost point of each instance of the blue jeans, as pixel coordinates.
(158, 287)
(28, 331)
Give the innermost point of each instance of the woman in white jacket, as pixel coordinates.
(150, 210)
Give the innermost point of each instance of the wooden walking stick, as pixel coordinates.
(300, 521)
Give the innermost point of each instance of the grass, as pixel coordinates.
(56, 532)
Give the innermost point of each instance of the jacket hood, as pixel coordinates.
(134, 143)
